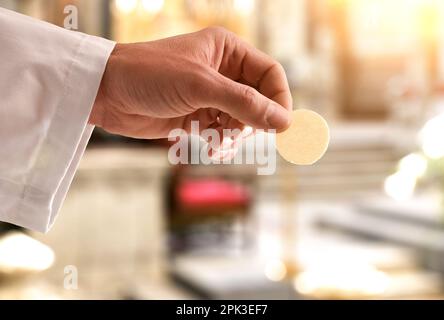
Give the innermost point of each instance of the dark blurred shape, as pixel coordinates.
(202, 211)
(6, 227)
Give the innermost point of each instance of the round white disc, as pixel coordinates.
(306, 140)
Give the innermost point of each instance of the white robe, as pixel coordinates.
(49, 79)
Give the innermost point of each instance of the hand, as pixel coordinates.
(212, 76)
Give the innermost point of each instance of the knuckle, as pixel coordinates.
(249, 97)
(216, 31)
(280, 69)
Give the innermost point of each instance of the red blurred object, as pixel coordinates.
(212, 193)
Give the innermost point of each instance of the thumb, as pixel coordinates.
(247, 105)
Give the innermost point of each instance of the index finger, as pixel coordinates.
(244, 63)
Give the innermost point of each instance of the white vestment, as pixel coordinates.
(49, 78)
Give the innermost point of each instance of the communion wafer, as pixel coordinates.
(306, 140)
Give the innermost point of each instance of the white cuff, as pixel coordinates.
(59, 153)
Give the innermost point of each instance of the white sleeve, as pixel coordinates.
(49, 79)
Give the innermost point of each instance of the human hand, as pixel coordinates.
(151, 88)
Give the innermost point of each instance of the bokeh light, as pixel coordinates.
(275, 270)
(152, 6)
(126, 6)
(432, 137)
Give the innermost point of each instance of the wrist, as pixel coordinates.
(98, 109)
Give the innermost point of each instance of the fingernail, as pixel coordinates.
(278, 118)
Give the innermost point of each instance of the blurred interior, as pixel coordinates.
(367, 221)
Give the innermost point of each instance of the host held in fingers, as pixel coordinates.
(56, 85)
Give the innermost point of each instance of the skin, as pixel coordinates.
(212, 76)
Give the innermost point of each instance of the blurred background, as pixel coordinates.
(367, 221)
